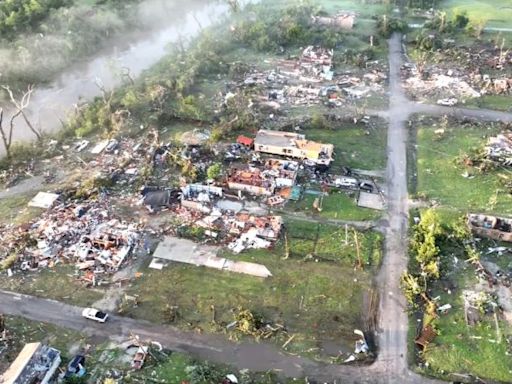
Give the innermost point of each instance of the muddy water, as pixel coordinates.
(52, 104)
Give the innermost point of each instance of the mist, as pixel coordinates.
(71, 35)
(53, 102)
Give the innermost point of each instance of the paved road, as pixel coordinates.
(245, 355)
(392, 337)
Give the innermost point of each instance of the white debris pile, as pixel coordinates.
(499, 148)
(86, 235)
(442, 86)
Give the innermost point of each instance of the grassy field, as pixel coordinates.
(14, 210)
(440, 172)
(497, 102)
(355, 145)
(308, 292)
(464, 349)
(338, 205)
(498, 13)
(21, 331)
(58, 283)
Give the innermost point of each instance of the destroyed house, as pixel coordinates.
(293, 145)
(254, 231)
(36, 363)
(199, 197)
(267, 227)
(499, 148)
(251, 180)
(343, 20)
(264, 180)
(497, 228)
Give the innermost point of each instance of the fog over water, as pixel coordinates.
(137, 51)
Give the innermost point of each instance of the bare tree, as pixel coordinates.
(7, 135)
(21, 105)
(107, 95)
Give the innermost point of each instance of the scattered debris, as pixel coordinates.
(35, 363)
(497, 228)
(43, 200)
(186, 251)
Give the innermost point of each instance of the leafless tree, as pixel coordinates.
(107, 95)
(7, 135)
(21, 105)
(234, 5)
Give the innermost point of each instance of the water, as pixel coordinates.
(52, 104)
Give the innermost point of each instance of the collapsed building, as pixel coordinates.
(266, 180)
(36, 363)
(84, 234)
(293, 145)
(342, 20)
(499, 148)
(493, 227)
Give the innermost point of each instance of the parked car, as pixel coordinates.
(346, 182)
(76, 367)
(95, 314)
(366, 186)
(112, 145)
(450, 102)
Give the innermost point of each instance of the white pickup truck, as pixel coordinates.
(95, 314)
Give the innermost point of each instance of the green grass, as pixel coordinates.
(309, 296)
(56, 283)
(22, 331)
(356, 146)
(338, 205)
(497, 102)
(498, 13)
(14, 210)
(464, 349)
(440, 173)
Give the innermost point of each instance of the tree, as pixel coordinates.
(411, 286)
(214, 171)
(461, 20)
(7, 136)
(424, 243)
(476, 27)
(21, 105)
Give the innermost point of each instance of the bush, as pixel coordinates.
(214, 171)
(386, 26)
(8, 262)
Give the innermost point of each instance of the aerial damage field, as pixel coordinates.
(459, 60)
(253, 148)
(462, 315)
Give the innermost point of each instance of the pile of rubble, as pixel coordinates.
(499, 148)
(302, 81)
(86, 234)
(440, 83)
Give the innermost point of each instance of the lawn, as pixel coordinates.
(58, 283)
(440, 173)
(497, 13)
(14, 209)
(316, 293)
(337, 205)
(22, 331)
(355, 145)
(464, 349)
(497, 102)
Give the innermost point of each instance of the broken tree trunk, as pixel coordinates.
(359, 261)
